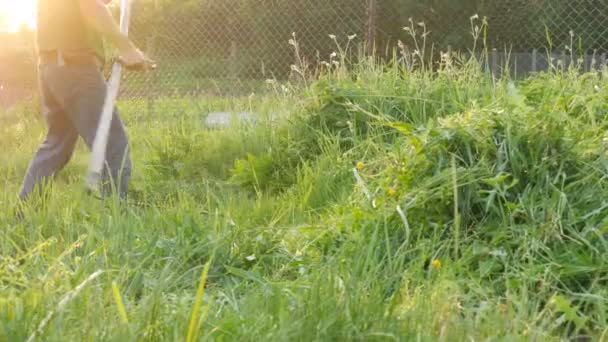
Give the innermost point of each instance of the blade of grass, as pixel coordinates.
(119, 303)
(62, 304)
(194, 320)
(456, 213)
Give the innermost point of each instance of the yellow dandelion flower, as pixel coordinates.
(360, 166)
(436, 263)
(392, 192)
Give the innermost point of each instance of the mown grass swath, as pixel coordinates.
(499, 231)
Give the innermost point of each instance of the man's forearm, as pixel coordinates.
(100, 17)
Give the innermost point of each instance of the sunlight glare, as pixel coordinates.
(16, 13)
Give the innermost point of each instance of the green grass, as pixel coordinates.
(502, 235)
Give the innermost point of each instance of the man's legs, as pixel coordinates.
(56, 150)
(74, 98)
(81, 90)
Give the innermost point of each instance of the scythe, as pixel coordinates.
(98, 152)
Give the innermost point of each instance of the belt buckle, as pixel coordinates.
(60, 59)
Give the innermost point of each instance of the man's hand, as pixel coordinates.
(133, 59)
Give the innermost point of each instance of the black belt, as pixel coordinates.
(56, 57)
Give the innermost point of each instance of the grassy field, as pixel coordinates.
(478, 213)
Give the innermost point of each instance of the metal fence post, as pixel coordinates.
(371, 26)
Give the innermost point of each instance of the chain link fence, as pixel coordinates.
(521, 25)
(525, 35)
(231, 47)
(552, 24)
(530, 36)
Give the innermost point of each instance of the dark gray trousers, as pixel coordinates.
(72, 101)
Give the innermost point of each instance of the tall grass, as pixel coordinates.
(487, 217)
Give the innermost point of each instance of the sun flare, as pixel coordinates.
(15, 14)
